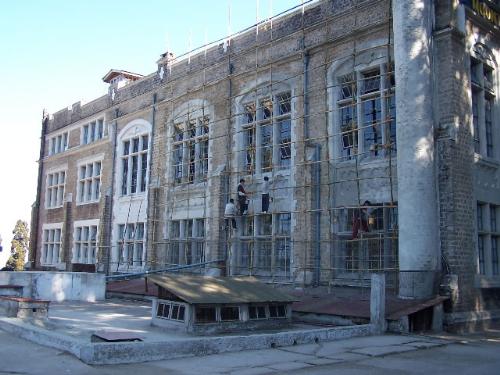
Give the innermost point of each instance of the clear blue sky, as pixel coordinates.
(55, 52)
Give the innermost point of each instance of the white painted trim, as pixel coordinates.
(58, 168)
(78, 124)
(82, 223)
(51, 226)
(90, 159)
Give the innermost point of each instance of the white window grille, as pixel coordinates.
(58, 143)
(131, 244)
(134, 162)
(187, 241)
(89, 182)
(483, 93)
(366, 108)
(93, 131)
(85, 244)
(265, 244)
(266, 133)
(367, 238)
(488, 239)
(190, 150)
(51, 246)
(170, 311)
(54, 194)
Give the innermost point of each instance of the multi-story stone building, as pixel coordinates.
(374, 122)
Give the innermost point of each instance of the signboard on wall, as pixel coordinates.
(486, 9)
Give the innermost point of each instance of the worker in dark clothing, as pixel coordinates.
(265, 195)
(360, 219)
(242, 197)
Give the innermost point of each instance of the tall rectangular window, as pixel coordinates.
(190, 150)
(89, 182)
(267, 133)
(93, 131)
(85, 244)
(372, 126)
(131, 243)
(51, 246)
(134, 161)
(265, 246)
(367, 122)
(488, 126)
(187, 241)
(494, 254)
(475, 121)
(249, 137)
(367, 238)
(483, 99)
(487, 239)
(54, 194)
(58, 143)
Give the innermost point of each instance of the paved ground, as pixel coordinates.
(80, 319)
(341, 301)
(476, 354)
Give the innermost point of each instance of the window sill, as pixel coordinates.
(87, 203)
(93, 143)
(54, 208)
(134, 196)
(184, 186)
(364, 162)
(487, 282)
(279, 172)
(486, 161)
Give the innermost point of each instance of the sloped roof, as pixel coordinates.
(115, 72)
(196, 289)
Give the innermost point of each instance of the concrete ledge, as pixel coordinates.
(58, 286)
(134, 352)
(469, 321)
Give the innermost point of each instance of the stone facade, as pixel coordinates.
(308, 101)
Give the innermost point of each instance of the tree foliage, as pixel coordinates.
(19, 246)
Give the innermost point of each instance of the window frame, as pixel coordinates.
(89, 243)
(93, 131)
(487, 239)
(58, 143)
(187, 241)
(350, 118)
(268, 252)
(266, 132)
(49, 242)
(374, 250)
(130, 238)
(190, 148)
(86, 181)
(55, 189)
(132, 161)
(483, 85)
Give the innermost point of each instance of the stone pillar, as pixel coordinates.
(417, 198)
(377, 302)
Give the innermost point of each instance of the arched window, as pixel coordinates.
(190, 136)
(483, 93)
(363, 107)
(133, 151)
(266, 129)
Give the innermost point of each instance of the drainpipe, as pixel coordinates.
(111, 193)
(227, 177)
(36, 209)
(316, 174)
(153, 126)
(317, 212)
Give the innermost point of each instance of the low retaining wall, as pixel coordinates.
(134, 352)
(58, 286)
